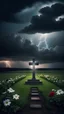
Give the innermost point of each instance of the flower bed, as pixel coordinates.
(57, 98)
(9, 100)
(4, 84)
(54, 80)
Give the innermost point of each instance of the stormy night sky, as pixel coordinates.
(32, 29)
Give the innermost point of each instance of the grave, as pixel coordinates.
(33, 81)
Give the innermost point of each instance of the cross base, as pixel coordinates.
(33, 82)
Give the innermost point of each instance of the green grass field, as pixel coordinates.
(23, 90)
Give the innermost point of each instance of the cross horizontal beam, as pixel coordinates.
(31, 63)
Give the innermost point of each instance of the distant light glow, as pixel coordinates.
(31, 66)
(7, 63)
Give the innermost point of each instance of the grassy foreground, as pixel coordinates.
(23, 90)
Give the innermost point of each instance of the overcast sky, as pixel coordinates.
(32, 29)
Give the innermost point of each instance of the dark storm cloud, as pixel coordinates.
(53, 11)
(9, 18)
(47, 21)
(59, 49)
(10, 28)
(9, 7)
(48, 56)
(28, 12)
(17, 48)
(56, 39)
(13, 6)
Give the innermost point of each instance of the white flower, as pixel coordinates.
(16, 96)
(7, 102)
(46, 76)
(11, 79)
(10, 90)
(53, 90)
(4, 92)
(59, 92)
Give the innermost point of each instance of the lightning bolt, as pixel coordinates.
(7, 63)
(43, 38)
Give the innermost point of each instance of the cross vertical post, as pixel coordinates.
(33, 69)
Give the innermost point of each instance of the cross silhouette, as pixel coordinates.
(33, 81)
(33, 63)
